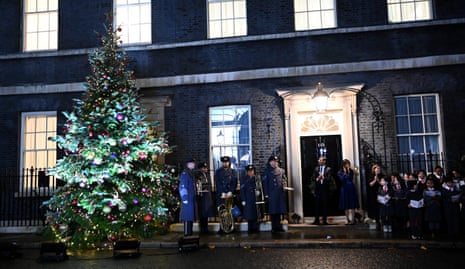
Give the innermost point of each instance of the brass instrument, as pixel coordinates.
(225, 215)
(260, 198)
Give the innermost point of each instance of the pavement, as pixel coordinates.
(337, 235)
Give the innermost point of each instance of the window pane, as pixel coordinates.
(41, 141)
(301, 21)
(402, 125)
(327, 4)
(416, 124)
(416, 144)
(414, 105)
(401, 106)
(328, 19)
(42, 5)
(429, 104)
(314, 20)
(214, 11)
(41, 160)
(239, 9)
(431, 124)
(314, 5)
(404, 146)
(32, 23)
(30, 5)
(241, 27)
(300, 5)
(394, 13)
(432, 143)
(53, 4)
(29, 141)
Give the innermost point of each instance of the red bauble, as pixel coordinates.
(148, 217)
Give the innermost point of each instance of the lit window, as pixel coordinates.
(409, 10)
(314, 14)
(37, 150)
(135, 19)
(418, 131)
(40, 25)
(227, 18)
(230, 135)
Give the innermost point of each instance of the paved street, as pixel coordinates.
(252, 258)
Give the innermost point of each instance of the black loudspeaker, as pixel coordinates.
(126, 249)
(187, 243)
(51, 251)
(8, 250)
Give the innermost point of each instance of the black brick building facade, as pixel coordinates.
(195, 73)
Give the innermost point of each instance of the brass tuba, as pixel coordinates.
(225, 215)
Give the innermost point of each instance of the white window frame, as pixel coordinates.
(49, 148)
(40, 24)
(226, 18)
(134, 17)
(224, 136)
(409, 10)
(439, 133)
(314, 14)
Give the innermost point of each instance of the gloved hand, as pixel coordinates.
(243, 203)
(185, 202)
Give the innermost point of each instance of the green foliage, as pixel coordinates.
(113, 186)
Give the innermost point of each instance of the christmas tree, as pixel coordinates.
(113, 187)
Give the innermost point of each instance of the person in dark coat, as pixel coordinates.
(225, 181)
(399, 203)
(415, 209)
(348, 199)
(248, 197)
(451, 207)
(204, 196)
(322, 175)
(187, 193)
(273, 183)
(385, 204)
(433, 212)
(372, 193)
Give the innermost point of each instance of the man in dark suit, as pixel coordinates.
(322, 176)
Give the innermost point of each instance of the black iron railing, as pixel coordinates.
(21, 196)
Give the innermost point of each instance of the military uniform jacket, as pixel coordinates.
(188, 195)
(248, 196)
(225, 181)
(204, 197)
(273, 188)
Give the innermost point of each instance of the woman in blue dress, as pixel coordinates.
(348, 200)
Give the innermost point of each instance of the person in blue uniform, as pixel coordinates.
(204, 196)
(273, 183)
(225, 180)
(348, 199)
(187, 193)
(248, 197)
(322, 175)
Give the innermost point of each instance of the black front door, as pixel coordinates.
(310, 147)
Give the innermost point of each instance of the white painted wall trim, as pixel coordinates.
(266, 73)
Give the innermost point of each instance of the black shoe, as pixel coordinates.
(316, 223)
(325, 223)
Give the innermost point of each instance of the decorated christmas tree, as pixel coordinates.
(113, 186)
